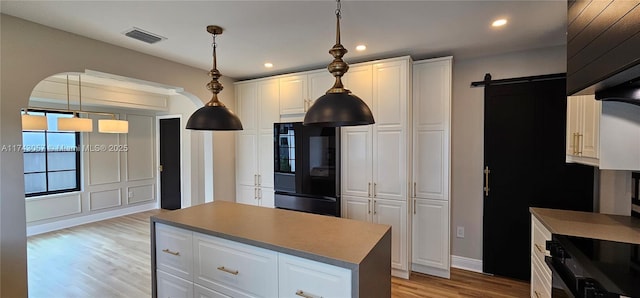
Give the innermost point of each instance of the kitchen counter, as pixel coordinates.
(364, 248)
(589, 225)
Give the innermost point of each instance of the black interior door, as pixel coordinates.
(524, 153)
(170, 164)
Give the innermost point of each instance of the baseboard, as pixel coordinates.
(444, 273)
(76, 221)
(464, 263)
(400, 273)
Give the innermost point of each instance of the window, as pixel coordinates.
(51, 158)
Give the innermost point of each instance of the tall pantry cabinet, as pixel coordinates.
(431, 166)
(374, 161)
(258, 109)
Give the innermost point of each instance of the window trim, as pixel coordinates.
(78, 168)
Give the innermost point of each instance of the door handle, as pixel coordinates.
(160, 168)
(486, 181)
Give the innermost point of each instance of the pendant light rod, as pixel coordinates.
(338, 67)
(68, 105)
(338, 17)
(214, 86)
(79, 93)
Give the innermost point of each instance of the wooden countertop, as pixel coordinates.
(589, 225)
(332, 240)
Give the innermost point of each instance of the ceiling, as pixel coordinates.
(296, 35)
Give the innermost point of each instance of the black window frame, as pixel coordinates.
(46, 163)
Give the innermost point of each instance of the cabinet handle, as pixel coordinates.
(369, 190)
(415, 193)
(301, 293)
(414, 205)
(538, 248)
(374, 207)
(537, 294)
(234, 272)
(374, 195)
(255, 179)
(175, 253)
(259, 179)
(259, 194)
(368, 206)
(255, 193)
(580, 142)
(486, 181)
(575, 143)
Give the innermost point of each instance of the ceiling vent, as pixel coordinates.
(144, 36)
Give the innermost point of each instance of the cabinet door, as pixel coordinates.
(359, 79)
(319, 83)
(356, 163)
(202, 292)
(431, 234)
(574, 112)
(174, 251)
(268, 105)
(430, 166)
(247, 101)
(390, 164)
(293, 93)
(266, 197)
(357, 208)
(589, 138)
(246, 194)
(170, 286)
(265, 160)
(394, 213)
(298, 277)
(246, 159)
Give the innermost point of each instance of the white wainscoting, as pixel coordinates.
(143, 193)
(39, 208)
(104, 199)
(140, 149)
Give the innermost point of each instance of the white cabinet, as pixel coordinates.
(299, 91)
(374, 161)
(300, 277)
(258, 109)
(221, 268)
(583, 129)
(431, 139)
(540, 273)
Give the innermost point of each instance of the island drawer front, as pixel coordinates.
(300, 277)
(540, 235)
(202, 292)
(540, 286)
(174, 251)
(170, 286)
(235, 269)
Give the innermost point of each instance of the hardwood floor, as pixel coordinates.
(111, 259)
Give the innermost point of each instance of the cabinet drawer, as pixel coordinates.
(170, 286)
(300, 277)
(540, 287)
(235, 269)
(539, 235)
(174, 251)
(202, 292)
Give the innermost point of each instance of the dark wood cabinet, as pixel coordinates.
(603, 44)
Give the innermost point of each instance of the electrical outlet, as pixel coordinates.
(130, 194)
(460, 232)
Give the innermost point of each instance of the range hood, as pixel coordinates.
(628, 92)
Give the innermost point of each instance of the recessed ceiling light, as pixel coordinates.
(499, 23)
(268, 65)
(361, 48)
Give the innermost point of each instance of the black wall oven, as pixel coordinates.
(307, 168)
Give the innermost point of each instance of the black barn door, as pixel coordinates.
(170, 164)
(524, 154)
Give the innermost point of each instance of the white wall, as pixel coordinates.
(468, 134)
(25, 62)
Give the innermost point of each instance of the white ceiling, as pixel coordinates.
(296, 35)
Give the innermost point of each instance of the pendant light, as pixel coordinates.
(214, 115)
(75, 123)
(33, 122)
(338, 107)
(113, 125)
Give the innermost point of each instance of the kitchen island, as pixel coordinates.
(225, 249)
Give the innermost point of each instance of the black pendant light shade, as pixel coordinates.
(214, 118)
(338, 107)
(214, 115)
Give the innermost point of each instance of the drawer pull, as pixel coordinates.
(234, 272)
(306, 295)
(538, 248)
(537, 294)
(175, 253)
